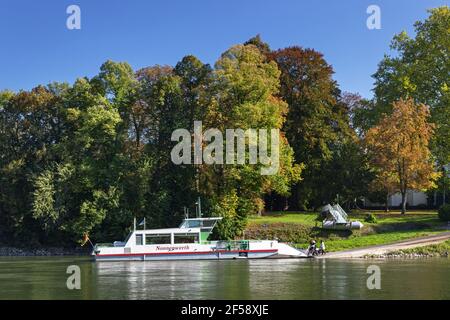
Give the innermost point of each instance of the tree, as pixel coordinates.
(32, 125)
(360, 112)
(346, 177)
(315, 119)
(244, 97)
(172, 98)
(382, 187)
(399, 147)
(262, 46)
(420, 70)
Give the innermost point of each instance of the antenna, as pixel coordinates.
(196, 209)
(199, 202)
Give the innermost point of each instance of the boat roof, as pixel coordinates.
(188, 225)
(169, 230)
(203, 219)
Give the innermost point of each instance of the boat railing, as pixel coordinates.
(111, 245)
(104, 244)
(232, 245)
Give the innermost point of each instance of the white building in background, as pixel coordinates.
(413, 198)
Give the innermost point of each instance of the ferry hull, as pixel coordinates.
(225, 255)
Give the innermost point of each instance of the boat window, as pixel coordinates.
(209, 223)
(194, 224)
(139, 240)
(186, 237)
(157, 239)
(128, 237)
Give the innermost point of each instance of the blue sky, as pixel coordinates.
(37, 48)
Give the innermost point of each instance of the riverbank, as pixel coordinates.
(440, 250)
(430, 246)
(50, 251)
(299, 228)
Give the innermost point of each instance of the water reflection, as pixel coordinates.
(45, 278)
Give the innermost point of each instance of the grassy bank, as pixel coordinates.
(300, 227)
(434, 250)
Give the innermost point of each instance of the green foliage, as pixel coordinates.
(227, 207)
(420, 71)
(50, 197)
(246, 85)
(93, 212)
(262, 46)
(98, 128)
(444, 212)
(318, 129)
(285, 232)
(371, 218)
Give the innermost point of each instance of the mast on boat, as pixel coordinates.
(198, 208)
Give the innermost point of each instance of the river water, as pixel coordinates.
(45, 278)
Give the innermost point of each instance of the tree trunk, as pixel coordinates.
(387, 203)
(403, 202)
(435, 199)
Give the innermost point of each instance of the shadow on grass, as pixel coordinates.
(326, 233)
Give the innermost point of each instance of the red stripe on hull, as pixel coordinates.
(192, 252)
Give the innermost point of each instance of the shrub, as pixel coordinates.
(444, 212)
(284, 232)
(371, 218)
(320, 217)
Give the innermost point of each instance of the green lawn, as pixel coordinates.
(375, 239)
(309, 218)
(394, 212)
(300, 227)
(298, 217)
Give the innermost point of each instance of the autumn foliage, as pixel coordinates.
(399, 148)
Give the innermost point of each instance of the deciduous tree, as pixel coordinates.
(399, 147)
(420, 69)
(314, 117)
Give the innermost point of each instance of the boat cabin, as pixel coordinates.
(192, 230)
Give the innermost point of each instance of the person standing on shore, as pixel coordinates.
(322, 247)
(312, 248)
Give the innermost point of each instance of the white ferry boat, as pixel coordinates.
(190, 241)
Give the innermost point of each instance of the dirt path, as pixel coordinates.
(385, 248)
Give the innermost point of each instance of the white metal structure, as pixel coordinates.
(337, 218)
